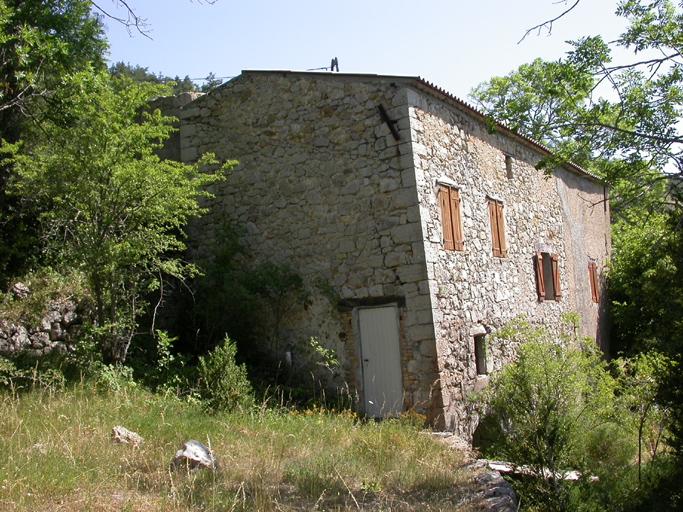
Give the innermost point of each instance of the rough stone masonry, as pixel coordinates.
(341, 178)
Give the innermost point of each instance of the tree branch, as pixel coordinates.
(131, 20)
(548, 24)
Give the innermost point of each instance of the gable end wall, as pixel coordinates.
(323, 187)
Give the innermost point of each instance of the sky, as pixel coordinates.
(455, 44)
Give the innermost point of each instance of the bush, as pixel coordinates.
(552, 408)
(223, 384)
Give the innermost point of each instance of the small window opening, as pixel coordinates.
(480, 354)
(547, 276)
(508, 166)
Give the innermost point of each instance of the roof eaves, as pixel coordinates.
(426, 86)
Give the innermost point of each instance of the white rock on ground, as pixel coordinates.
(195, 455)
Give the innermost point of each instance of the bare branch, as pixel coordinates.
(131, 20)
(548, 24)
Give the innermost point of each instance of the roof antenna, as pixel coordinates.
(335, 64)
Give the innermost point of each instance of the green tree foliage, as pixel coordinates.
(40, 42)
(550, 408)
(108, 205)
(139, 74)
(639, 384)
(211, 82)
(618, 120)
(646, 287)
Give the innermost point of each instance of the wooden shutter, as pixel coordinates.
(458, 241)
(593, 276)
(556, 275)
(446, 222)
(501, 229)
(494, 227)
(540, 285)
(497, 228)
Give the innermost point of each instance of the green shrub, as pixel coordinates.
(223, 384)
(552, 408)
(109, 378)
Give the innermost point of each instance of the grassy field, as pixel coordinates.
(58, 455)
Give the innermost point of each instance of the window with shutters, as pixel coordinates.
(497, 228)
(593, 276)
(547, 276)
(451, 227)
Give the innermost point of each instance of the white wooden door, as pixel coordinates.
(381, 360)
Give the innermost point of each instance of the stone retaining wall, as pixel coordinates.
(53, 333)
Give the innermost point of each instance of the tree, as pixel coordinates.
(108, 205)
(139, 74)
(640, 377)
(40, 42)
(639, 128)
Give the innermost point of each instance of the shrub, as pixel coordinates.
(551, 408)
(223, 384)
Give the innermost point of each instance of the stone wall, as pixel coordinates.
(52, 333)
(474, 293)
(322, 186)
(171, 106)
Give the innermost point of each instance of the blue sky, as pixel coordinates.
(455, 44)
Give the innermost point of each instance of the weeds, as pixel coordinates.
(58, 455)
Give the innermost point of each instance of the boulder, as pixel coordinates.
(20, 291)
(194, 455)
(125, 436)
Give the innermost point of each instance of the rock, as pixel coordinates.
(20, 291)
(195, 455)
(40, 340)
(69, 317)
(495, 493)
(57, 332)
(125, 436)
(20, 337)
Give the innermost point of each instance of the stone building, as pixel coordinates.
(429, 229)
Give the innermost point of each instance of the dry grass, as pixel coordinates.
(58, 455)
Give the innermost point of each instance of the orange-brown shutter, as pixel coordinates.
(593, 275)
(494, 227)
(501, 230)
(540, 286)
(446, 222)
(556, 276)
(458, 241)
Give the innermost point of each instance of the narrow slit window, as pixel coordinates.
(480, 354)
(497, 228)
(508, 167)
(451, 225)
